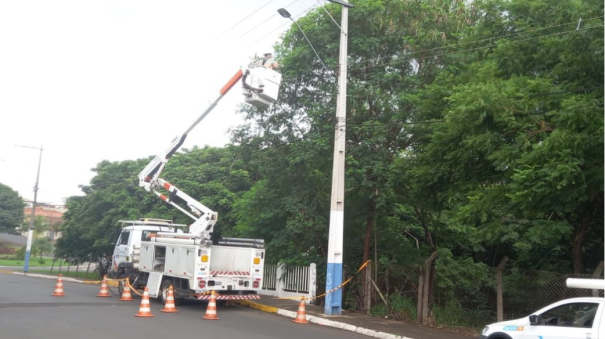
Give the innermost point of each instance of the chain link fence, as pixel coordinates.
(526, 291)
(467, 300)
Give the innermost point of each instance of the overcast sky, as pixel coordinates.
(117, 80)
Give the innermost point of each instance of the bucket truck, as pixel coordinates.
(157, 253)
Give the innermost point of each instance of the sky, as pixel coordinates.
(88, 81)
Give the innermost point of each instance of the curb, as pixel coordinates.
(322, 321)
(264, 308)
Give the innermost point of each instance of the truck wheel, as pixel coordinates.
(121, 284)
(163, 295)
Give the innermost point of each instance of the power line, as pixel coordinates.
(395, 123)
(265, 21)
(471, 49)
(500, 36)
(286, 23)
(582, 89)
(242, 20)
(330, 15)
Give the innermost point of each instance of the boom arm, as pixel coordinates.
(150, 179)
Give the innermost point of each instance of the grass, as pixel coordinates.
(72, 273)
(33, 262)
(454, 316)
(42, 266)
(449, 316)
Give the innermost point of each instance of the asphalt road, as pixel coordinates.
(28, 311)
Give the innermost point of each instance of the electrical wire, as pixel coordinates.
(500, 36)
(582, 89)
(330, 15)
(265, 21)
(466, 50)
(242, 20)
(286, 23)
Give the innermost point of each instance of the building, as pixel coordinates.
(52, 216)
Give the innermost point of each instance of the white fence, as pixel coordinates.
(295, 281)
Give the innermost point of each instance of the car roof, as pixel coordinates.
(571, 300)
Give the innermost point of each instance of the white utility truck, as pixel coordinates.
(157, 253)
(574, 318)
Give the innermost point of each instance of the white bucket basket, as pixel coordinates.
(265, 86)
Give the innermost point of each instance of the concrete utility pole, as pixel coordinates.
(30, 231)
(333, 304)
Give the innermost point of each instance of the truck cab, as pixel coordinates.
(127, 249)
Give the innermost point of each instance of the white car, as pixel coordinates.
(581, 318)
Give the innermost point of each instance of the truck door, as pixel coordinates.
(121, 251)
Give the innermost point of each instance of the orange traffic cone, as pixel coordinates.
(170, 307)
(301, 314)
(211, 310)
(144, 310)
(59, 287)
(126, 292)
(104, 292)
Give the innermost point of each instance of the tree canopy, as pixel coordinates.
(11, 210)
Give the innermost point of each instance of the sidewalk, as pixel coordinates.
(355, 321)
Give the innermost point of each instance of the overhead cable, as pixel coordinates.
(242, 20)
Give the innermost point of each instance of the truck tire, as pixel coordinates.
(499, 336)
(164, 293)
(121, 284)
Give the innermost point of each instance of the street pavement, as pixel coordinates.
(357, 322)
(28, 310)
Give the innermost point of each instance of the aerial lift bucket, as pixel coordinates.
(264, 86)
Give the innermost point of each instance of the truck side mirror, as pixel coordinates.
(534, 319)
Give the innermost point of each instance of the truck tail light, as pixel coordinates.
(201, 283)
(204, 258)
(255, 284)
(256, 261)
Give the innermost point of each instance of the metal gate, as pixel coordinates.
(290, 281)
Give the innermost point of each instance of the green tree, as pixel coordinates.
(39, 227)
(11, 210)
(214, 176)
(91, 221)
(41, 246)
(520, 150)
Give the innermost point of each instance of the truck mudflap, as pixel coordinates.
(230, 297)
